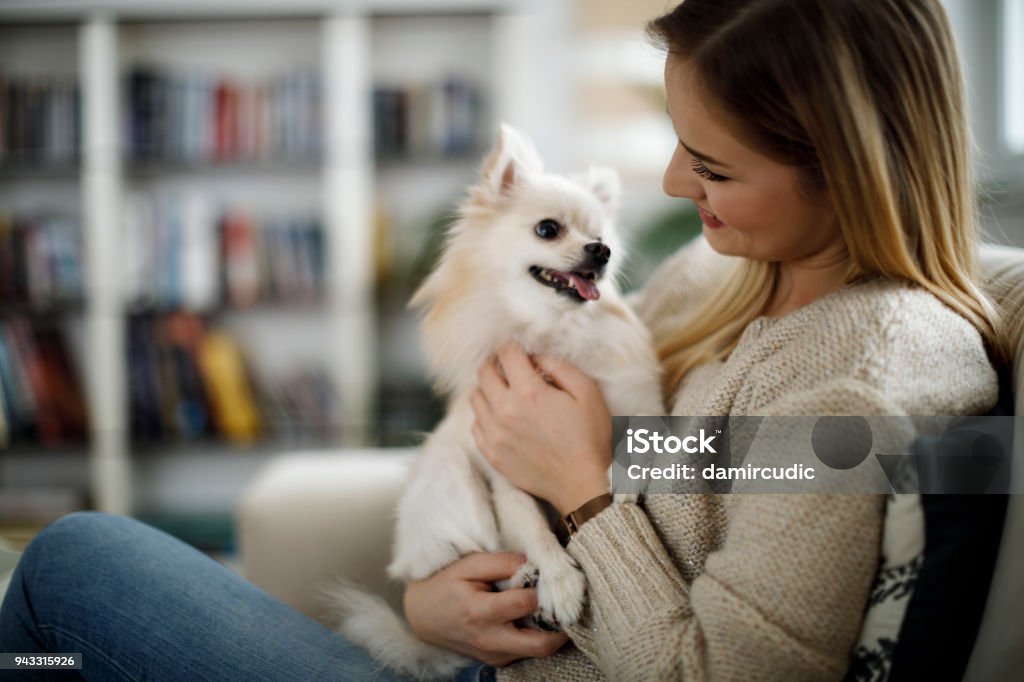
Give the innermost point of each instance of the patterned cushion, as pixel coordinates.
(903, 544)
(938, 556)
(942, 620)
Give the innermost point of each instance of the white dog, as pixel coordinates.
(531, 258)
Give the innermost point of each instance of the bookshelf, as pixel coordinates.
(40, 215)
(366, 195)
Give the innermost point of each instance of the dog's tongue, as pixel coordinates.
(584, 287)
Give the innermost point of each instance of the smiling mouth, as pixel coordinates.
(578, 285)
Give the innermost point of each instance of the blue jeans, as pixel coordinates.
(140, 604)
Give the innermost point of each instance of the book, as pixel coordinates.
(199, 279)
(43, 400)
(7, 257)
(241, 258)
(138, 254)
(184, 335)
(63, 392)
(4, 116)
(181, 252)
(20, 408)
(4, 438)
(202, 116)
(169, 394)
(428, 120)
(146, 126)
(47, 419)
(40, 259)
(231, 397)
(39, 123)
(143, 382)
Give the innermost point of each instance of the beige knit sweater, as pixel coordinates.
(759, 587)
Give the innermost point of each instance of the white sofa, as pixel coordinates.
(310, 516)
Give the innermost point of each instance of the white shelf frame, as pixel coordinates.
(104, 319)
(524, 76)
(348, 181)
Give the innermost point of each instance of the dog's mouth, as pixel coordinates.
(579, 285)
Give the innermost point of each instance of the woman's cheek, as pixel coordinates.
(743, 211)
(726, 208)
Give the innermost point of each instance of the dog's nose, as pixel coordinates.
(599, 251)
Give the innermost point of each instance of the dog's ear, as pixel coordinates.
(604, 184)
(512, 158)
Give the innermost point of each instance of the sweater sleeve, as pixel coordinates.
(782, 598)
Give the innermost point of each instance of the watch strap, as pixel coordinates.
(588, 510)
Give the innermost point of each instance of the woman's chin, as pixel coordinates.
(720, 239)
(728, 242)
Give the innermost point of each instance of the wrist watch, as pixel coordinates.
(572, 521)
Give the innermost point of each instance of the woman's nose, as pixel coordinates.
(679, 180)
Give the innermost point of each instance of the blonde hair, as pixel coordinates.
(866, 99)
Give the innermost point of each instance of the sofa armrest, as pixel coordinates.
(309, 517)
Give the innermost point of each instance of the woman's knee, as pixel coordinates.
(75, 539)
(81, 525)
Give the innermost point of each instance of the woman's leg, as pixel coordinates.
(140, 604)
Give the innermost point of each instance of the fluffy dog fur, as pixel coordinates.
(500, 278)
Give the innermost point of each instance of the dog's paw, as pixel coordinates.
(526, 576)
(560, 594)
(540, 622)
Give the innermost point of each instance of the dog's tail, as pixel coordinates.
(368, 621)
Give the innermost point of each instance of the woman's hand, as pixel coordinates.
(551, 438)
(456, 609)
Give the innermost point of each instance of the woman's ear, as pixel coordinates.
(512, 158)
(604, 184)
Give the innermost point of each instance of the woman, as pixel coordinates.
(824, 144)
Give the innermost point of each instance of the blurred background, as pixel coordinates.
(213, 212)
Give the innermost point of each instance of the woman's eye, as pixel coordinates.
(547, 229)
(700, 169)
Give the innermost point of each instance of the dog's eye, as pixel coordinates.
(547, 229)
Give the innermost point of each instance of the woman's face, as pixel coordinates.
(750, 205)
